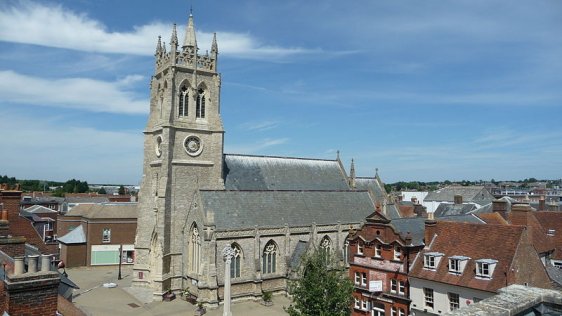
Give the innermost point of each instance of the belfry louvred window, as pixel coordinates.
(183, 102)
(200, 111)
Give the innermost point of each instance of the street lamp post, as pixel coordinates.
(228, 253)
(120, 260)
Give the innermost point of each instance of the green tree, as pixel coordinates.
(122, 190)
(102, 191)
(322, 289)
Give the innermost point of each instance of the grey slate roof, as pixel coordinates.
(39, 209)
(555, 275)
(376, 188)
(300, 250)
(75, 236)
(392, 211)
(243, 172)
(372, 184)
(488, 208)
(245, 209)
(476, 194)
(414, 225)
(447, 209)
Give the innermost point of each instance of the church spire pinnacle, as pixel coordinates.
(159, 45)
(190, 40)
(174, 39)
(214, 46)
(352, 174)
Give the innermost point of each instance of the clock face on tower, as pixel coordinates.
(193, 145)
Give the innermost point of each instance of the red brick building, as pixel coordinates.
(380, 256)
(31, 292)
(93, 234)
(21, 226)
(464, 263)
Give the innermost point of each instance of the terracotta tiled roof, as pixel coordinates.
(526, 217)
(493, 218)
(107, 210)
(552, 220)
(476, 241)
(406, 210)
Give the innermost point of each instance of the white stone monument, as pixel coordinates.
(228, 253)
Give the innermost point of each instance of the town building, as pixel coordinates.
(20, 225)
(516, 300)
(98, 234)
(464, 263)
(474, 195)
(43, 220)
(195, 200)
(37, 289)
(380, 255)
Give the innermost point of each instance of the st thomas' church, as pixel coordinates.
(195, 199)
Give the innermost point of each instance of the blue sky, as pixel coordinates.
(422, 90)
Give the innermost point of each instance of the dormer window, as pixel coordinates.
(485, 268)
(457, 264)
(431, 260)
(360, 248)
(397, 252)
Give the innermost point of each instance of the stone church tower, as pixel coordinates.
(195, 201)
(183, 153)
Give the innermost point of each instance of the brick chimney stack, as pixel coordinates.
(430, 229)
(13, 246)
(420, 210)
(542, 203)
(32, 292)
(458, 199)
(500, 207)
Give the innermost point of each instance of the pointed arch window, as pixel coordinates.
(183, 102)
(325, 246)
(235, 261)
(269, 257)
(200, 109)
(195, 250)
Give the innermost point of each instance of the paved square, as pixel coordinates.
(94, 299)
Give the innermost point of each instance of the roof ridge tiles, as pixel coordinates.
(280, 157)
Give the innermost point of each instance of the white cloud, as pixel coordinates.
(260, 126)
(77, 93)
(52, 149)
(256, 147)
(56, 26)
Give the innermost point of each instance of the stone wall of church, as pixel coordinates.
(252, 281)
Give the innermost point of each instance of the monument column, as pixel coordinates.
(228, 253)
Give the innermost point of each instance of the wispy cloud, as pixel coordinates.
(260, 126)
(56, 26)
(77, 93)
(256, 147)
